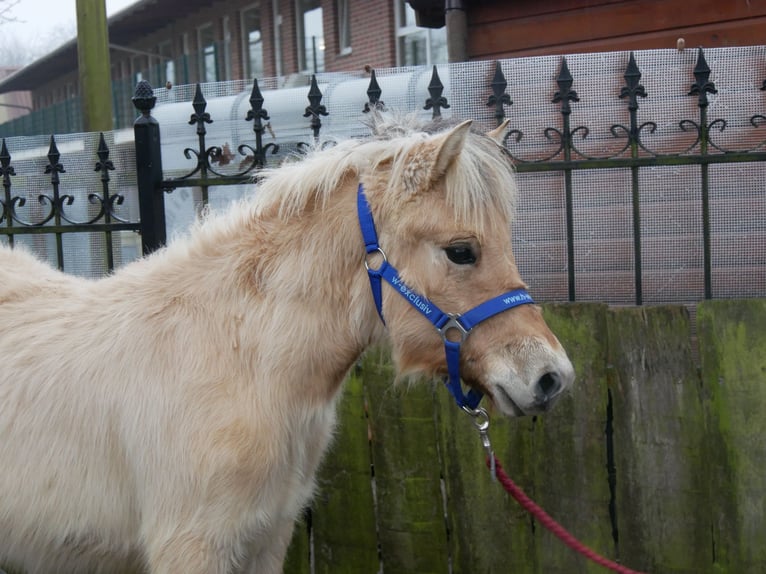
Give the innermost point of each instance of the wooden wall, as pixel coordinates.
(501, 29)
(653, 459)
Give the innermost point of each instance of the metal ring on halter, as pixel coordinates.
(453, 323)
(481, 418)
(366, 259)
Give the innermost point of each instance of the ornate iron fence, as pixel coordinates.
(51, 212)
(633, 152)
(564, 150)
(628, 148)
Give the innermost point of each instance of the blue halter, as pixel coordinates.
(444, 322)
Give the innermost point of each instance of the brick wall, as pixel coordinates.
(372, 43)
(372, 36)
(289, 33)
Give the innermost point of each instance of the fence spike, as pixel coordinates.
(104, 164)
(256, 111)
(373, 94)
(315, 108)
(632, 88)
(565, 94)
(200, 116)
(6, 203)
(499, 97)
(54, 167)
(435, 90)
(702, 85)
(5, 161)
(257, 114)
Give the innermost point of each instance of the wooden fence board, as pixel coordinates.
(569, 458)
(298, 559)
(558, 459)
(411, 525)
(689, 454)
(665, 452)
(662, 497)
(487, 533)
(732, 339)
(343, 515)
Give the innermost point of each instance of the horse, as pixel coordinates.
(170, 417)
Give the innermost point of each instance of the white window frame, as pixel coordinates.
(226, 48)
(247, 66)
(187, 56)
(205, 74)
(167, 63)
(138, 68)
(276, 16)
(301, 38)
(343, 17)
(404, 29)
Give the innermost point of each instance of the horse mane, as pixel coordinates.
(480, 184)
(481, 177)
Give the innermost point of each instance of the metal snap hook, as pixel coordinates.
(481, 422)
(480, 418)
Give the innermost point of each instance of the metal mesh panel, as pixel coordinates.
(671, 230)
(539, 235)
(738, 225)
(671, 213)
(568, 133)
(607, 227)
(84, 253)
(603, 238)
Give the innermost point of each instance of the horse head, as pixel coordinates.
(442, 207)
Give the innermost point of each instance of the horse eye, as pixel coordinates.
(460, 254)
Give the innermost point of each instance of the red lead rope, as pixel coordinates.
(559, 531)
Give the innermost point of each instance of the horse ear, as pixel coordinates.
(498, 134)
(448, 147)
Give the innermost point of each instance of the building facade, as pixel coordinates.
(172, 42)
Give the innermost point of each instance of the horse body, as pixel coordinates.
(172, 416)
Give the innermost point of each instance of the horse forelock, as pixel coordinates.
(480, 183)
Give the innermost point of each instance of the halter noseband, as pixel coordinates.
(444, 322)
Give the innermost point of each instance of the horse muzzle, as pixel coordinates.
(520, 392)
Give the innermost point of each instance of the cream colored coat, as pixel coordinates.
(171, 417)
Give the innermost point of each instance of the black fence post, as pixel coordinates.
(149, 170)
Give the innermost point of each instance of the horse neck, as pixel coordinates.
(296, 285)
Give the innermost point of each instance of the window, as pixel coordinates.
(186, 69)
(343, 11)
(226, 49)
(310, 35)
(253, 42)
(138, 65)
(167, 64)
(414, 45)
(207, 53)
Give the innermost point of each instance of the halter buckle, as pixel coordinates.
(367, 265)
(453, 323)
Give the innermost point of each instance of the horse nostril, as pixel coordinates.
(549, 386)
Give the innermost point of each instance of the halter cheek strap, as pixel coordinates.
(453, 328)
